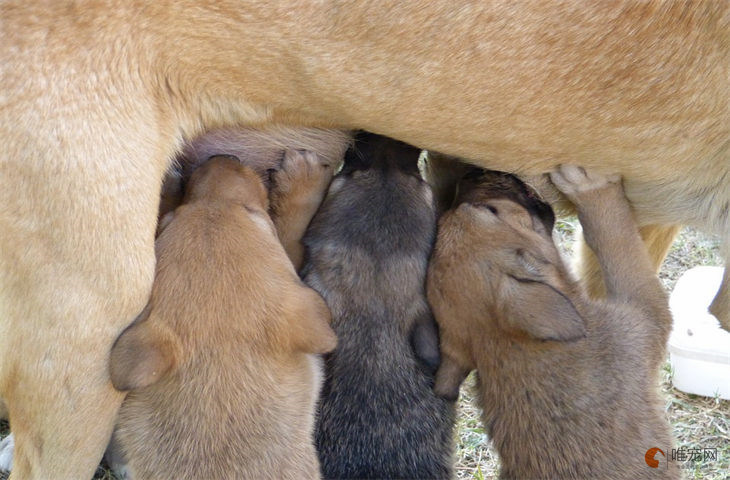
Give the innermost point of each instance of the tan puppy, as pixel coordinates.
(570, 378)
(97, 100)
(223, 383)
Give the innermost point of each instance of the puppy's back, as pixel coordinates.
(367, 250)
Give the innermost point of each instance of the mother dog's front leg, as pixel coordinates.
(76, 267)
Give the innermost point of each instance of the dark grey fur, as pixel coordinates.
(367, 253)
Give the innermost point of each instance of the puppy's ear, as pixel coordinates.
(310, 330)
(144, 353)
(542, 312)
(449, 378)
(425, 341)
(523, 264)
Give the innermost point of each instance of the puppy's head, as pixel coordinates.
(382, 164)
(224, 177)
(525, 285)
(372, 151)
(479, 187)
(378, 182)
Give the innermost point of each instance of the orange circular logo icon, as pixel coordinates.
(649, 457)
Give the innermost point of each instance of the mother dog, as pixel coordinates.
(97, 97)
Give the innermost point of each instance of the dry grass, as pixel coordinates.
(697, 421)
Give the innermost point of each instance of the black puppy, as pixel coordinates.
(367, 253)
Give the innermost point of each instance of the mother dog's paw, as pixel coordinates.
(7, 445)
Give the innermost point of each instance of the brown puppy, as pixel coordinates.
(97, 101)
(219, 363)
(573, 379)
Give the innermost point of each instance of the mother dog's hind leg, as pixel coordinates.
(657, 238)
(76, 267)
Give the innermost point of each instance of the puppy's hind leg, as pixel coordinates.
(425, 341)
(76, 266)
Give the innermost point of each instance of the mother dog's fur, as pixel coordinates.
(92, 91)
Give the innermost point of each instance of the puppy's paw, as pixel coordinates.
(7, 445)
(116, 461)
(303, 174)
(574, 181)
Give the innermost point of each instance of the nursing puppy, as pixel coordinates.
(98, 100)
(573, 379)
(220, 367)
(367, 250)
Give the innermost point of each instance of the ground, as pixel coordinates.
(698, 422)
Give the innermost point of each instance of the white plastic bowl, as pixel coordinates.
(699, 350)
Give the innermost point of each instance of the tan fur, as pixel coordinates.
(570, 378)
(300, 163)
(99, 97)
(223, 383)
(298, 179)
